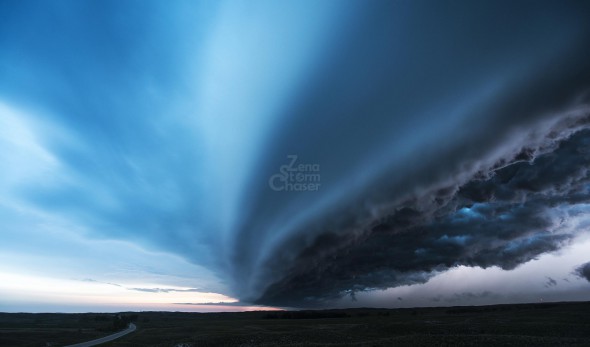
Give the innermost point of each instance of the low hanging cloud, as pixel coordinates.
(505, 216)
(493, 181)
(465, 297)
(583, 271)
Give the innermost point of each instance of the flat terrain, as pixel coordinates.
(547, 324)
(131, 328)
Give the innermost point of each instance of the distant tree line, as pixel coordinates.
(495, 308)
(117, 322)
(305, 315)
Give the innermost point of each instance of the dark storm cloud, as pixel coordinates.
(584, 271)
(451, 156)
(504, 220)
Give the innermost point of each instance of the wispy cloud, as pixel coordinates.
(95, 281)
(465, 297)
(168, 290)
(220, 303)
(550, 282)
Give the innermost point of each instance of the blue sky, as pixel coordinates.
(137, 139)
(136, 124)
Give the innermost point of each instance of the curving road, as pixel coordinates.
(108, 338)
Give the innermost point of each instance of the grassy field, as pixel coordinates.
(549, 324)
(28, 329)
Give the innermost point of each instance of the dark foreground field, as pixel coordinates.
(548, 324)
